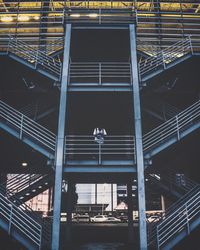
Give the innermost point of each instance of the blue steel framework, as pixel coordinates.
(138, 143)
(173, 128)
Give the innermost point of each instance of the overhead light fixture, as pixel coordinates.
(75, 15)
(23, 18)
(6, 19)
(24, 164)
(93, 15)
(36, 17)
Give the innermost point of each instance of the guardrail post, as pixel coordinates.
(100, 77)
(177, 127)
(99, 162)
(40, 246)
(191, 47)
(100, 16)
(36, 59)
(10, 219)
(188, 224)
(21, 127)
(9, 43)
(157, 238)
(163, 60)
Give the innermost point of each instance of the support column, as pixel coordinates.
(130, 212)
(70, 192)
(138, 140)
(59, 156)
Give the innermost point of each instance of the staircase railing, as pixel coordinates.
(53, 46)
(113, 147)
(19, 216)
(166, 56)
(173, 126)
(100, 72)
(179, 220)
(152, 227)
(34, 56)
(20, 182)
(26, 126)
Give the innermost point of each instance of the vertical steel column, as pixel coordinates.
(60, 142)
(138, 140)
(130, 212)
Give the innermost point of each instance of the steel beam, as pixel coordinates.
(130, 212)
(138, 140)
(61, 142)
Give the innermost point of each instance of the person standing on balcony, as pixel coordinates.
(99, 134)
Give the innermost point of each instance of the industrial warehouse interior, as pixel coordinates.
(99, 125)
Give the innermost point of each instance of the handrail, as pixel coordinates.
(34, 56)
(100, 72)
(21, 216)
(179, 220)
(166, 56)
(152, 227)
(21, 182)
(171, 127)
(27, 126)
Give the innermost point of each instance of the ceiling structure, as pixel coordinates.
(159, 23)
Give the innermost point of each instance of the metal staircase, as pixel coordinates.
(177, 222)
(27, 130)
(34, 58)
(165, 59)
(172, 130)
(21, 223)
(27, 186)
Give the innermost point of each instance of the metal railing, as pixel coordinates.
(169, 213)
(35, 57)
(44, 20)
(172, 127)
(52, 46)
(113, 148)
(20, 217)
(100, 73)
(166, 56)
(100, 16)
(27, 127)
(21, 182)
(180, 220)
